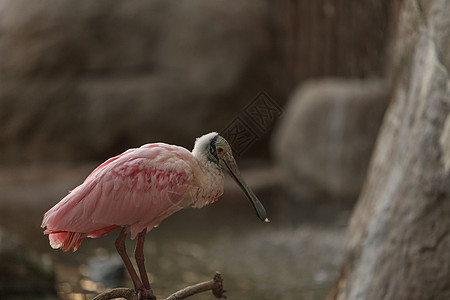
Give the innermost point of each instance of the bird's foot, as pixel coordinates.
(144, 294)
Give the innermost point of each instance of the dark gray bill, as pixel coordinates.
(236, 175)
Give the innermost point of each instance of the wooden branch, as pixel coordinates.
(215, 285)
(126, 293)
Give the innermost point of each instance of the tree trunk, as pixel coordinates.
(398, 244)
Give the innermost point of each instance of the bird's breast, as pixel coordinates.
(208, 187)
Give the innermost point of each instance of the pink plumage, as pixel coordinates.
(136, 189)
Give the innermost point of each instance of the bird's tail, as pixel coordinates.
(65, 240)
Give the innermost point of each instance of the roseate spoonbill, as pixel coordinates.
(138, 189)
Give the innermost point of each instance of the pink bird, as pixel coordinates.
(138, 189)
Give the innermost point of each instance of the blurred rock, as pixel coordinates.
(325, 139)
(108, 75)
(24, 274)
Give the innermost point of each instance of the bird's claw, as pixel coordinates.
(144, 294)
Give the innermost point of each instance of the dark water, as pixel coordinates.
(296, 256)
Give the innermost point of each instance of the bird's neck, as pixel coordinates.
(210, 182)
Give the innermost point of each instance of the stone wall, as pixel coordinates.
(85, 80)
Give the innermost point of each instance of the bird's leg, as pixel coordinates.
(139, 256)
(120, 246)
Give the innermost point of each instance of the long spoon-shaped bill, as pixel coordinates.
(233, 170)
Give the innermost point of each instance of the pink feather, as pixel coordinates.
(136, 189)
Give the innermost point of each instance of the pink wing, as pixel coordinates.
(138, 189)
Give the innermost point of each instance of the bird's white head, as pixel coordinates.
(214, 149)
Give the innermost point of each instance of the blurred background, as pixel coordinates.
(81, 81)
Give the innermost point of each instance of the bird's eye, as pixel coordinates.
(219, 150)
